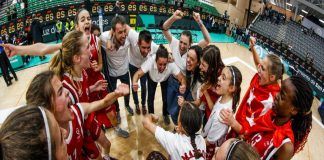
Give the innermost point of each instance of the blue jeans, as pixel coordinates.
(172, 98)
(143, 79)
(124, 79)
(151, 85)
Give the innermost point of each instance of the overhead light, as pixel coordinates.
(301, 15)
(321, 20)
(289, 4)
(304, 11)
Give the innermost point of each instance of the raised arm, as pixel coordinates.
(182, 80)
(168, 23)
(136, 77)
(37, 49)
(203, 43)
(256, 57)
(121, 90)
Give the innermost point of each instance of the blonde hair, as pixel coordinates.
(276, 67)
(63, 60)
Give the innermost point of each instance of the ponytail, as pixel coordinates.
(236, 98)
(191, 120)
(197, 153)
(236, 82)
(56, 64)
(63, 60)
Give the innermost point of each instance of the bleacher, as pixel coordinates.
(291, 34)
(3, 11)
(39, 5)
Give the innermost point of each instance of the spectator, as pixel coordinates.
(37, 31)
(5, 64)
(58, 26)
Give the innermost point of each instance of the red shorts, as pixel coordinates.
(92, 127)
(91, 149)
(92, 130)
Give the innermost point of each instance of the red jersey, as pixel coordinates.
(256, 102)
(74, 140)
(266, 137)
(78, 87)
(213, 96)
(101, 116)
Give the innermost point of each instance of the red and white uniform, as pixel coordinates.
(266, 137)
(213, 96)
(256, 102)
(79, 92)
(101, 116)
(78, 87)
(74, 141)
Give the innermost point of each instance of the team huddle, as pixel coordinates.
(70, 106)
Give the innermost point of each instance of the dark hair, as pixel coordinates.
(188, 34)
(117, 19)
(145, 35)
(240, 150)
(94, 27)
(162, 52)
(302, 122)
(235, 72)
(211, 55)
(276, 67)
(196, 72)
(40, 91)
(76, 18)
(191, 121)
(23, 135)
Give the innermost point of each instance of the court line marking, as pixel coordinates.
(236, 59)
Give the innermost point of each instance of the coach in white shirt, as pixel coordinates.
(179, 49)
(159, 70)
(117, 56)
(141, 47)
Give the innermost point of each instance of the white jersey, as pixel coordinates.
(214, 130)
(179, 146)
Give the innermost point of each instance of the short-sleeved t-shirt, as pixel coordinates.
(150, 66)
(214, 130)
(179, 60)
(118, 60)
(179, 146)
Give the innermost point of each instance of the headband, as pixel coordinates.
(231, 148)
(233, 74)
(47, 131)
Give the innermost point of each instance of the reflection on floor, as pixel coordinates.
(141, 142)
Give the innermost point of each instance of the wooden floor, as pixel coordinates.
(141, 142)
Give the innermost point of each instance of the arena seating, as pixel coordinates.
(38, 5)
(291, 34)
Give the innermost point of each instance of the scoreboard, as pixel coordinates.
(50, 16)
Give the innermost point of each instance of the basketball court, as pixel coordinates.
(141, 142)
